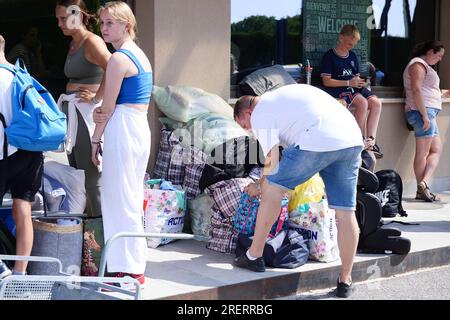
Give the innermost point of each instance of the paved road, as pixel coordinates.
(428, 284)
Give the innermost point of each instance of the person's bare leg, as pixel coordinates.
(373, 118)
(24, 231)
(361, 107)
(268, 212)
(348, 235)
(433, 158)
(423, 147)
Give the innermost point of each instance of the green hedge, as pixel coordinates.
(258, 48)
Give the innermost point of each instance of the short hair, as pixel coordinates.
(350, 30)
(121, 11)
(242, 104)
(2, 44)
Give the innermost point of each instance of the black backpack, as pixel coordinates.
(374, 237)
(390, 190)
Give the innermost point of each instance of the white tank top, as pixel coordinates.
(431, 91)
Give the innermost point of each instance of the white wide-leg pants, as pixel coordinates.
(125, 157)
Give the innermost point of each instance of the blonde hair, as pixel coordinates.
(2, 44)
(350, 30)
(121, 11)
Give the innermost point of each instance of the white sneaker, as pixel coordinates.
(129, 286)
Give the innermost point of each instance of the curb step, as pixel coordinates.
(300, 282)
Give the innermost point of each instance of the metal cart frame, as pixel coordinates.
(63, 286)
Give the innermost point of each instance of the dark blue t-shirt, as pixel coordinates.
(339, 68)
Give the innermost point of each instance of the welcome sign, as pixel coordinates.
(323, 20)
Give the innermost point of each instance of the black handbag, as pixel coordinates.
(288, 249)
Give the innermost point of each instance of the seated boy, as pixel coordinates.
(341, 79)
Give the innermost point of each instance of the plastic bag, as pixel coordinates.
(184, 103)
(200, 213)
(165, 212)
(311, 191)
(72, 180)
(247, 210)
(318, 224)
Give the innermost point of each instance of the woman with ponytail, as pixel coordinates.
(85, 66)
(423, 103)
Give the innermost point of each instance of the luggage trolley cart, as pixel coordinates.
(178, 236)
(62, 286)
(55, 284)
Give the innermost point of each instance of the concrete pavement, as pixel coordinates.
(425, 284)
(187, 270)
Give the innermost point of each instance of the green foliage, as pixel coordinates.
(295, 24)
(266, 24)
(251, 24)
(294, 48)
(255, 39)
(256, 48)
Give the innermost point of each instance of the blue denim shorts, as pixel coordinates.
(338, 169)
(414, 118)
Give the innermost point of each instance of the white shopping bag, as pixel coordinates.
(318, 223)
(165, 213)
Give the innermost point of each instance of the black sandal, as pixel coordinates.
(423, 192)
(374, 148)
(377, 152)
(433, 196)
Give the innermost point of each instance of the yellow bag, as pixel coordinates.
(311, 191)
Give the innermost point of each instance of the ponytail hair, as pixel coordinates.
(422, 48)
(89, 20)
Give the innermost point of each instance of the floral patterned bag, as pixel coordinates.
(318, 224)
(164, 213)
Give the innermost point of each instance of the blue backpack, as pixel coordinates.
(37, 123)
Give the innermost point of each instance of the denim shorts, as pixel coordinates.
(414, 118)
(338, 169)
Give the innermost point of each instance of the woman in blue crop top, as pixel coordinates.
(85, 64)
(128, 87)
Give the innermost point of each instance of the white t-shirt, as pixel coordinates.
(6, 78)
(304, 116)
